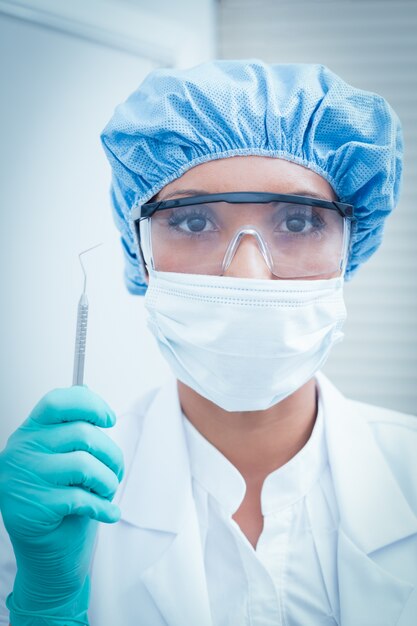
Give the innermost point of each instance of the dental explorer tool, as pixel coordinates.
(81, 332)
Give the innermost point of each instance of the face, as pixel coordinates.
(249, 173)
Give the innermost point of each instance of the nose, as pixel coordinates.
(248, 261)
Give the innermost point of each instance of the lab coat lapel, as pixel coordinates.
(369, 595)
(373, 515)
(158, 496)
(177, 580)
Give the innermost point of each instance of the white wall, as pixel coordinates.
(373, 45)
(58, 92)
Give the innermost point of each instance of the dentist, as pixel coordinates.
(253, 491)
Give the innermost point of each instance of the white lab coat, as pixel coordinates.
(148, 568)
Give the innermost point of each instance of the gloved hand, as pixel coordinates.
(58, 475)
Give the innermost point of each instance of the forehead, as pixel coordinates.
(249, 173)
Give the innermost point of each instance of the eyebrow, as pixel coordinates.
(185, 192)
(197, 192)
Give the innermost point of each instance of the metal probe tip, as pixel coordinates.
(82, 266)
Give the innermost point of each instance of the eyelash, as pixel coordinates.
(298, 212)
(181, 214)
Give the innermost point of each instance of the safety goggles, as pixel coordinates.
(298, 236)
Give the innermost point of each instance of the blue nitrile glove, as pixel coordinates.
(58, 475)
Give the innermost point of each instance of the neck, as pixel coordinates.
(255, 442)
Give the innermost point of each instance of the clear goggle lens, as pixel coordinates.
(295, 240)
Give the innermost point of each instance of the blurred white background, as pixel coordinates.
(63, 68)
(372, 44)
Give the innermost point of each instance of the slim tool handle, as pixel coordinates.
(80, 341)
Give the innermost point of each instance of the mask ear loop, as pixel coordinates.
(234, 243)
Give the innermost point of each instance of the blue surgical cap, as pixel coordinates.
(304, 113)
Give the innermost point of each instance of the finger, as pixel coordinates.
(69, 404)
(79, 469)
(76, 501)
(83, 436)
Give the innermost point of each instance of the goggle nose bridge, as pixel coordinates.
(235, 242)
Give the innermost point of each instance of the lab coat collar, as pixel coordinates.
(373, 514)
(158, 488)
(158, 496)
(373, 510)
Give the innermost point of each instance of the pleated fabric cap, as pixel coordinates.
(305, 113)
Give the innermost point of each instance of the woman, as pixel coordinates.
(254, 492)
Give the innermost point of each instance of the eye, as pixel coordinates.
(300, 220)
(191, 220)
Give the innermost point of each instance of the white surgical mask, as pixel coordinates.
(244, 343)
